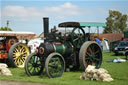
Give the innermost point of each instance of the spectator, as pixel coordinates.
(98, 41)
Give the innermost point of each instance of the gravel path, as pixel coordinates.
(18, 83)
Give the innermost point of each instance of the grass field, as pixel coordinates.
(118, 71)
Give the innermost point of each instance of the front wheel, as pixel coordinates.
(33, 65)
(54, 65)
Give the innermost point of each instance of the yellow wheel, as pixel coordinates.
(18, 54)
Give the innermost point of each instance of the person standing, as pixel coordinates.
(98, 41)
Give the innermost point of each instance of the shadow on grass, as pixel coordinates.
(43, 75)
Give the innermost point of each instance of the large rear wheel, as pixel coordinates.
(90, 54)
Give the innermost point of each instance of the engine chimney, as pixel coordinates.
(46, 26)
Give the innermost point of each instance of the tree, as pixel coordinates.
(5, 29)
(116, 22)
(126, 29)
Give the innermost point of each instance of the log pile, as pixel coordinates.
(96, 74)
(4, 70)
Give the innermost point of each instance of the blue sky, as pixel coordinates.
(26, 15)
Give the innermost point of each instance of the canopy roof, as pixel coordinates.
(92, 24)
(82, 24)
(69, 24)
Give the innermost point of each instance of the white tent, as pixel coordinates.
(105, 45)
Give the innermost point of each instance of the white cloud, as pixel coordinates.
(60, 11)
(67, 9)
(20, 11)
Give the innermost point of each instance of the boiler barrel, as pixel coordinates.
(65, 49)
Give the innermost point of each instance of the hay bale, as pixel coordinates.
(89, 75)
(99, 72)
(84, 74)
(96, 74)
(98, 79)
(89, 69)
(6, 71)
(86, 78)
(94, 71)
(108, 79)
(2, 65)
(104, 76)
(81, 77)
(103, 70)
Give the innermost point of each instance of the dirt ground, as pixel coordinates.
(18, 83)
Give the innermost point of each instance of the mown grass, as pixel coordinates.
(118, 71)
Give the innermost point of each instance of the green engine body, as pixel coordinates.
(64, 49)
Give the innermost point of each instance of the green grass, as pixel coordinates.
(118, 71)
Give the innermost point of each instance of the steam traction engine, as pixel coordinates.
(12, 51)
(60, 51)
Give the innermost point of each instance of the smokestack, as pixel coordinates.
(46, 26)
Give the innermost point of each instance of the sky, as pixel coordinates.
(26, 15)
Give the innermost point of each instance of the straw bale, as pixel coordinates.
(104, 76)
(108, 79)
(5, 71)
(104, 70)
(3, 65)
(89, 68)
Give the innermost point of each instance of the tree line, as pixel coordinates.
(5, 29)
